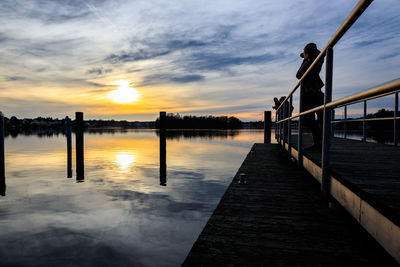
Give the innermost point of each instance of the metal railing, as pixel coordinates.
(284, 115)
(395, 118)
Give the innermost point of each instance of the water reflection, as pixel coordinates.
(68, 132)
(205, 134)
(2, 164)
(124, 160)
(2, 186)
(163, 157)
(80, 171)
(112, 219)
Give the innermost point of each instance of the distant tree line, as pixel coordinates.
(381, 130)
(47, 126)
(176, 121)
(253, 125)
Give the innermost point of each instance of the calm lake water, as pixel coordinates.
(120, 215)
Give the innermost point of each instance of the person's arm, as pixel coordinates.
(303, 68)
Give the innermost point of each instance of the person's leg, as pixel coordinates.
(313, 100)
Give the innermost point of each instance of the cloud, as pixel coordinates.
(153, 50)
(15, 78)
(135, 56)
(99, 71)
(201, 47)
(161, 78)
(188, 78)
(388, 55)
(371, 42)
(3, 38)
(217, 61)
(175, 45)
(95, 84)
(62, 18)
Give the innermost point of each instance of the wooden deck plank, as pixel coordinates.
(280, 219)
(372, 168)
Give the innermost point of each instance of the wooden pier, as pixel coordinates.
(280, 218)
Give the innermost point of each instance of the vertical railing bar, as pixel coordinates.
(290, 126)
(333, 125)
(345, 122)
(300, 133)
(276, 126)
(285, 128)
(325, 184)
(280, 126)
(396, 121)
(364, 122)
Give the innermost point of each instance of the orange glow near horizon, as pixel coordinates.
(124, 94)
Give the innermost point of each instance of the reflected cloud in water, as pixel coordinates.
(120, 215)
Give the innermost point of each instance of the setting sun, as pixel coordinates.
(124, 94)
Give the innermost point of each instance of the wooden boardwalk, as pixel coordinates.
(371, 170)
(279, 218)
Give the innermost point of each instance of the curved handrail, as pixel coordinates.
(379, 91)
(354, 15)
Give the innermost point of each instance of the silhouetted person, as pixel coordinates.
(311, 94)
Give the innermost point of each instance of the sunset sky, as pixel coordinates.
(121, 59)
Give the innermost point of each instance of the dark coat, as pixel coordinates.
(312, 82)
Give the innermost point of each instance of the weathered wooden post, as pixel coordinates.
(2, 158)
(79, 146)
(69, 146)
(267, 127)
(163, 149)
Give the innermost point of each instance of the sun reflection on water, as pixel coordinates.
(124, 160)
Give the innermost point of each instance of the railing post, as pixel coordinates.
(396, 122)
(276, 125)
(2, 158)
(290, 125)
(267, 127)
(364, 122)
(333, 124)
(300, 132)
(325, 184)
(345, 122)
(68, 133)
(279, 126)
(79, 146)
(285, 124)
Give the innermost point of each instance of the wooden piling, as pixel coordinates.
(163, 149)
(267, 127)
(2, 158)
(69, 146)
(79, 146)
